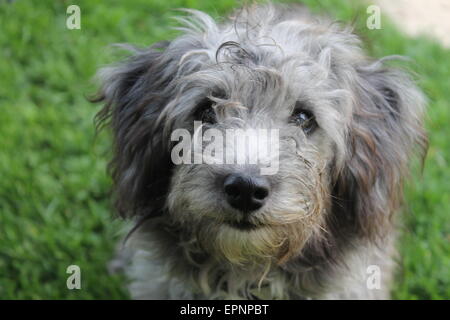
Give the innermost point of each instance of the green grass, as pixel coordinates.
(54, 192)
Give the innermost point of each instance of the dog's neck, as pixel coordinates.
(208, 277)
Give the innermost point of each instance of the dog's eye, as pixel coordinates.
(204, 112)
(305, 119)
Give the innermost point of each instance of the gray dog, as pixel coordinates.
(322, 225)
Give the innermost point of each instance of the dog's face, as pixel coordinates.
(236, 209)
(345, 128)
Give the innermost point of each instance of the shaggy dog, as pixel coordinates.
(322, 225)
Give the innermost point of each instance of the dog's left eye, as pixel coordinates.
(204, 112)
(305, 119)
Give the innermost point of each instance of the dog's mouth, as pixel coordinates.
(243, 224)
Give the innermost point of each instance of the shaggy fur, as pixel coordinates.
(330, 211)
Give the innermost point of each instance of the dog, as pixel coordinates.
(323, 225)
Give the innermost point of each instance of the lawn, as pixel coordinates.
(55, 207)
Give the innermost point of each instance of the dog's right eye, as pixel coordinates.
(204, 112)
(304, 118)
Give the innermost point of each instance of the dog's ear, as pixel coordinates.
(134, 93)
(385, 130)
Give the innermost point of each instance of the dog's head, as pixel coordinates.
(345, 128)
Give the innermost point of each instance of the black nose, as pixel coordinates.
(246, 193)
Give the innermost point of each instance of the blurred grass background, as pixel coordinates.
(54, 192)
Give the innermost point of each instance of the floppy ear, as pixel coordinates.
(385, 130)
(134, 93)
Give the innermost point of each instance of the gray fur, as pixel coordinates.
(330, 213)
